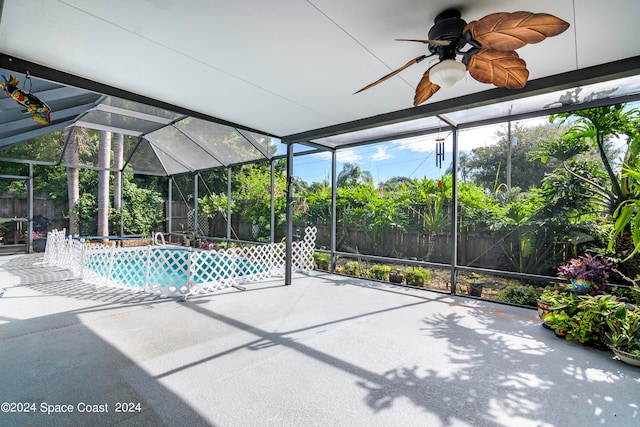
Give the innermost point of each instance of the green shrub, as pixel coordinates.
(417, 276)
(352, 268)
(379, 272)
(518, 294)
(322, 260)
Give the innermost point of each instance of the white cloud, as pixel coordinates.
(381, 154)
(422, 144)
(348, 155)
(323, 155)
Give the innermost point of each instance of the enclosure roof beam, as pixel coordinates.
(253, 142)
(106, 128)
(133, 114)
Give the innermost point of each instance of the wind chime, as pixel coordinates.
(439, 150)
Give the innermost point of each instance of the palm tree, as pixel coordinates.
(118, 161)
(104, 160)
(72, 157)
(352, 174)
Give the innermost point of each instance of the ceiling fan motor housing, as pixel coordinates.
(448, 26)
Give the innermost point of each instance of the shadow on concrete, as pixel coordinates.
(462, 362)
(55, 363)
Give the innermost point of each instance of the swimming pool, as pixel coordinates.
(175, 269)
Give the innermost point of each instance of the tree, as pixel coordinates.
(141, 212)
(72, 157)
(487, 166)
(118, 162)
(352, 174)
(253, 195)
(104, 161)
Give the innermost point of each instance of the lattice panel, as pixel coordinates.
(302, 251)
(211, 271)
(95, 266)
(203, 223)
(174, 270)
(168, 270)
(54, 250)
(127, 268)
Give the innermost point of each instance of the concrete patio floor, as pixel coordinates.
(326, 351)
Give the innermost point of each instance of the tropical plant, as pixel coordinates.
(559, 320)
(625, 332)
(593, 127)
(595, 317)
(364, 207)
(587, 268)
(627, 217)
(559, 296)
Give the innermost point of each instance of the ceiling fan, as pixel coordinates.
(486, 47)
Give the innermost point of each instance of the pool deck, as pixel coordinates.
(327, 351)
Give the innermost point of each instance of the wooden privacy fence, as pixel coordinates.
(475, 248)
(47, 214)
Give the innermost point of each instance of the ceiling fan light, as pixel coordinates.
(447, 73)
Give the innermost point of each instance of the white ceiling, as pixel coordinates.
(286, 66)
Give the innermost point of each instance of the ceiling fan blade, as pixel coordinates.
(510, 31)
(434, 42)
(393, 73)
(501, 68)
(425, 90)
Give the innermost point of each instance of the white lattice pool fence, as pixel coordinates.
(175, 270)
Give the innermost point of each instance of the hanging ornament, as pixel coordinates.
(33, 105)
(439, 151)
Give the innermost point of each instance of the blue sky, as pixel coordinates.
(411, 157)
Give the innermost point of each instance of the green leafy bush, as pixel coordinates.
(352, 268)
(518, 294)
(417, 276)
(379, 272)
(322, 260)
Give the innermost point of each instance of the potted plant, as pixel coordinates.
(624, 338)
(587, 274)
(556, 297)
(595, 317)
(396, 275)
(559, 321)
(475, 284)
(417, 276)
